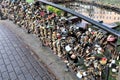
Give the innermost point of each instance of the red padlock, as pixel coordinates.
(58, 35)
(111, 38)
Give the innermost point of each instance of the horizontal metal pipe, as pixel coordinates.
(112, 31)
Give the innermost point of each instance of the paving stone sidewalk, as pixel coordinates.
(16, 60)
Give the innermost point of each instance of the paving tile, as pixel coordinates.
(9, 45)
(18, 70)
(7, 48)
(46, 78)
(38, 78)
(15, 45)
(9, 52)
(1, 47)
(2, 51)
(14, 52)
(21, 54)
(24, 70)
(8, 42)
(29, 66)
(29, 77)
(51, 77)
(10, 68)
(17, 57)
(31, 58)
(41, 72)
(13, 76)
(12, 48)
(5, 56)
(7, 61)
(0, 73)
(0, 56)
(18, 49)
(33, 72)
(11, 57)
(20, 63)
(1, 62)
(5, 75)
(24, 49)
(3, 68)
(1, 78)
(36, 65)
(21, 77)
(14, 63)
(5, 44)
(25, 59)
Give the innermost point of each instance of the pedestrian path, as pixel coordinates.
(16, 61)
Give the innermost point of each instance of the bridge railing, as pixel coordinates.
(97, 24)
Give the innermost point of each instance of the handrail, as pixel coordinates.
(112, 31)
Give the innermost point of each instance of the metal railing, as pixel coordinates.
(97, 24)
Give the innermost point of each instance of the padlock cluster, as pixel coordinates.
(90, 52)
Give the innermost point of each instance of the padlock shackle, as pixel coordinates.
(97, 24)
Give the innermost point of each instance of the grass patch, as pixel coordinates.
(55, 10)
